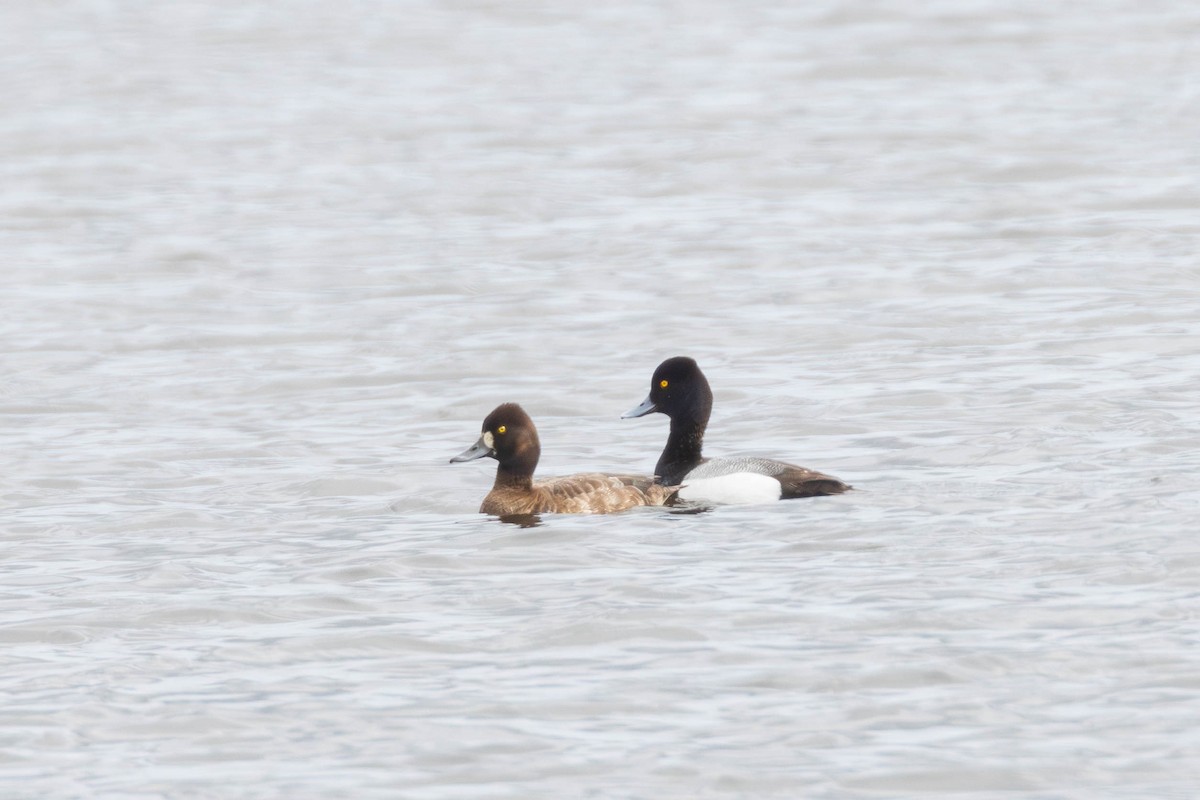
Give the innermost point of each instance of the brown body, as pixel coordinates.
(510, 437)
(586, 493)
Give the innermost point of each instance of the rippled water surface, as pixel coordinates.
(267, 266)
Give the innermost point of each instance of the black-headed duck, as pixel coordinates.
(680, 390)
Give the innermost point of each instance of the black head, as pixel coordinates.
(679, 390)
(508, 435)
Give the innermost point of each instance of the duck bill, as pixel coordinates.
(477, 450)
(647, 407)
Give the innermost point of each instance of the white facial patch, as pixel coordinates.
(489, 440)
(733, 489)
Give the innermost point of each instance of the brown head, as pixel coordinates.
(509, 436)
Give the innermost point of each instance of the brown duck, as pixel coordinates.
(510, 437)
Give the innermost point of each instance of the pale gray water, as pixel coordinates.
(267, 266)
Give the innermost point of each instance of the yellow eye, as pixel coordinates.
(663, 384)
(501, 429)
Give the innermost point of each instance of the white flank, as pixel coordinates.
(732, 489)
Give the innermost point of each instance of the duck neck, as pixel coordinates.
(682, 452)
(516, 470)
(509, 478)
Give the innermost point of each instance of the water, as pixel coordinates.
(266, 268)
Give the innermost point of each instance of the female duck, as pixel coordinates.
(510, 437)
(680, 390)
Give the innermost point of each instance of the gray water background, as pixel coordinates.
(266, 267)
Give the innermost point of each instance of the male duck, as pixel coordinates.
(510, 437)
(680, 390)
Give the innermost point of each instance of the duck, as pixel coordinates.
(679, 389)
(509, 436)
